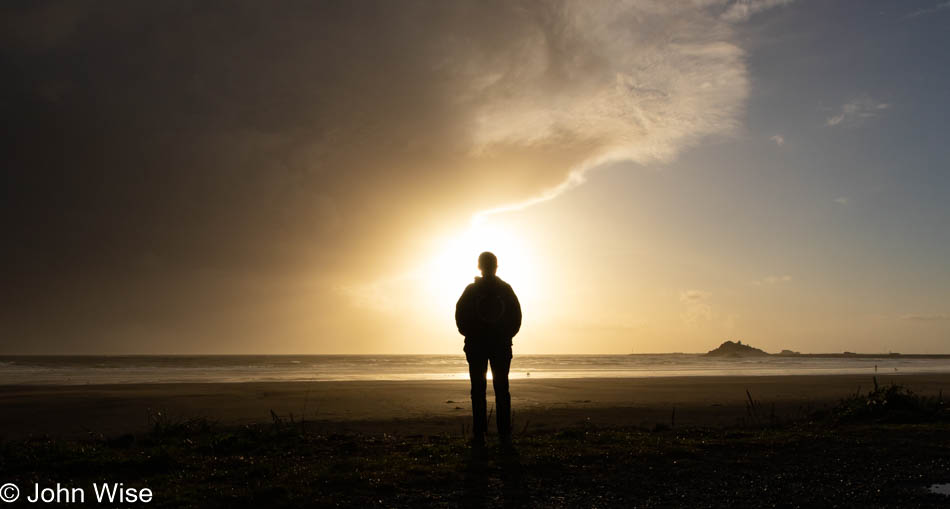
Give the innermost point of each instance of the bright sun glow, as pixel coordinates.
(455, 264)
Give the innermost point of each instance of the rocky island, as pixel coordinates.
(736, 349)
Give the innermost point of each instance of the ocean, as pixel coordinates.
(80, 370)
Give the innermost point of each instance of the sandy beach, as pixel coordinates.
(429, 407)
(583, 442)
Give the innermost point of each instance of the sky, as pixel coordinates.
(319, 177)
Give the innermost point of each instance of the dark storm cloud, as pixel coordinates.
(167, 161)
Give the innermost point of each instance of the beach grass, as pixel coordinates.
(883, 457)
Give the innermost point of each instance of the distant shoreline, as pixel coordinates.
(849, 355)
(457, 354)
(843, 355)
(736, 349)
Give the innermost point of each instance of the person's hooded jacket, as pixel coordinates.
(488, 313)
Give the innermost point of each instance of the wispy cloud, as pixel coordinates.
(697, 306)
(857, 111)
(693, 295)
(742, 10)
(778, 139)
(929, 10)
(843, 200)
(772, 280)
(643, 99)
(933, 317)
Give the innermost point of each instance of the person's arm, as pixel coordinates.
(463, 313)
(515, 320)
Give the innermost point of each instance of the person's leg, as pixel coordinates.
(477, 368)
(500, 365)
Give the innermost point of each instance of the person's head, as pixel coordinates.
(487, 263)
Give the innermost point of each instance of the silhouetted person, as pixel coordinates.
(488, 314)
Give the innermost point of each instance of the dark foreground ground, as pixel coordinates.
(882, 449)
